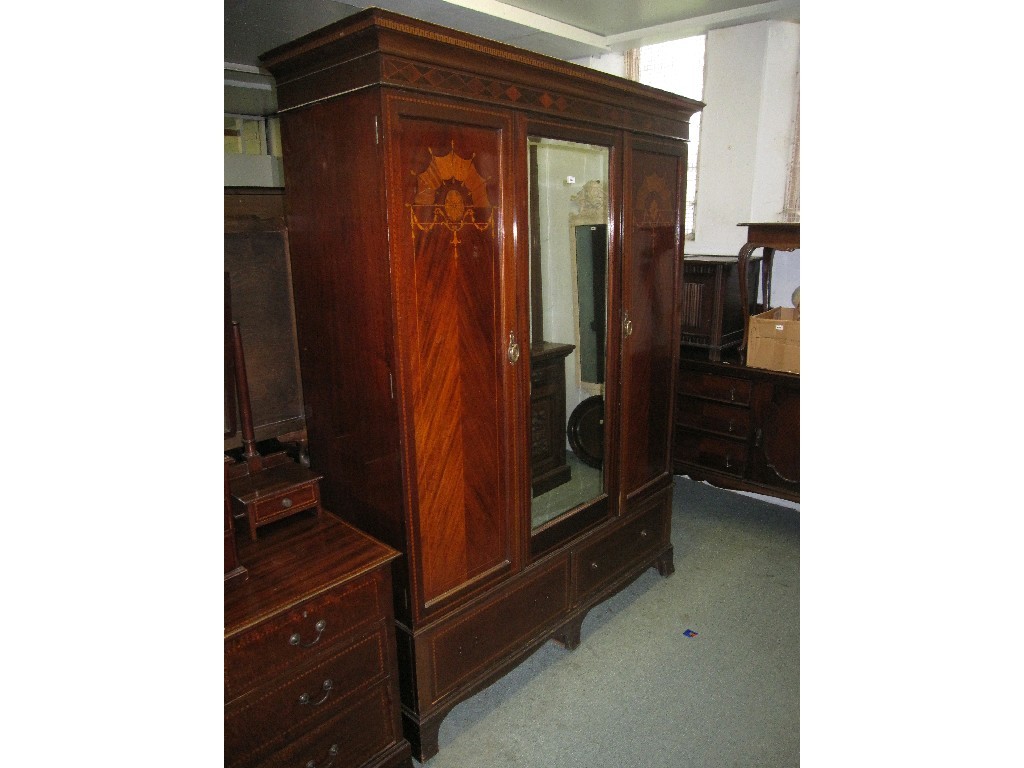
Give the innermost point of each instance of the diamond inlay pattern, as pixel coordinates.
(398, 71)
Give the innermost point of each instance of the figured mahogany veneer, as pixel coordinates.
(310, 672)
(406, 178)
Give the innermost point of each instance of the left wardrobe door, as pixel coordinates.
(457, 343)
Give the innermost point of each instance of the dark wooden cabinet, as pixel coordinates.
(712, 314)
(407, 175)
(547, 416)
(310, 675)
(738, 427)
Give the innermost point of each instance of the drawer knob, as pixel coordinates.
(594, 566)
(296, 638)
(331, 753)
(286, 502)
(305, 699)
(644, 534)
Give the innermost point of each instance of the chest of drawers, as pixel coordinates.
(309, 654)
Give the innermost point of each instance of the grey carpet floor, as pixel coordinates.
(638, 692)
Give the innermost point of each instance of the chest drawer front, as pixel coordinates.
(711, 452)
(726, 389)
(713, 417)
(366, 727)
(299, 635)
(600, 563)
(272, 715)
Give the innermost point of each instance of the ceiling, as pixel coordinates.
(565, 29)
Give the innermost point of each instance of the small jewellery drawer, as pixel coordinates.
(296, 636)
(273, 493)
(600, 562)
(286, 502)
(278, 713)
(711, 452)
(712, 416)
(726, 389)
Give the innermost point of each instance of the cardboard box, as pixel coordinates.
(773, 340)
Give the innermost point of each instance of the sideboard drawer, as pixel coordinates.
(726, 389)
(293, 637)
(713, 417)
(260, 722)
(709, 451)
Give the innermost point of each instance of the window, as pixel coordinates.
(251, 135)
(678, 67)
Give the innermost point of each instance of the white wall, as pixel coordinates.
(747, 126)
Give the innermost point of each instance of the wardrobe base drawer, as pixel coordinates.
(599, 563)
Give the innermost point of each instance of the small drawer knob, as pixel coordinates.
(286, 502)
(594, 566)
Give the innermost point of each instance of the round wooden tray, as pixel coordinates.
(586, 431)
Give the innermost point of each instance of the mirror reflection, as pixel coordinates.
(568, 299)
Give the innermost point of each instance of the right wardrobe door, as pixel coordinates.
(655, 179)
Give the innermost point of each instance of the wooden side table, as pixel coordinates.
(771, 236)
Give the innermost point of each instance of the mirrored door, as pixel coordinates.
(569, 247)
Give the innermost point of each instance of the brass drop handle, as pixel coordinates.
(331, 753)
(627, 325)
(513, 348)
(296, 639)
(327, 686)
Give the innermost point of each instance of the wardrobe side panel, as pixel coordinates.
(340, 276)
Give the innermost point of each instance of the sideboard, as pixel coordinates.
(738, 427)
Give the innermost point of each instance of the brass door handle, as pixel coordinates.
(513, 348)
